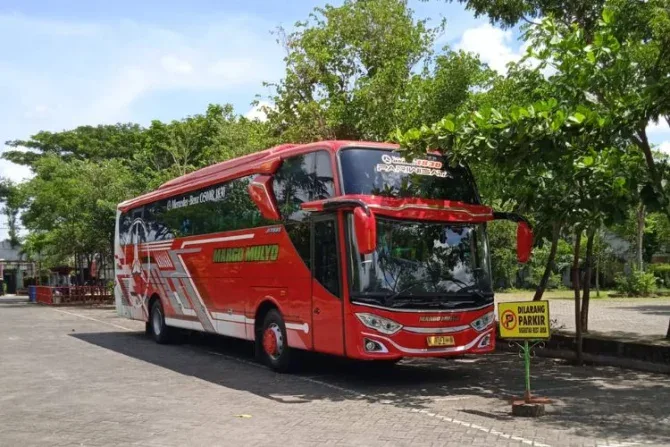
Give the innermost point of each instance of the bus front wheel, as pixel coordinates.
(272, 343)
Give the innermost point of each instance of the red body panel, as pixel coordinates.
(208, 283)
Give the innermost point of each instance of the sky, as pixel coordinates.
(75, 62)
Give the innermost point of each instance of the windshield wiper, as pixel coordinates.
(474, 290)
(389, 298)
(434, 302)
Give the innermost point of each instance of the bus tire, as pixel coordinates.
(160, 332)
(272, 343)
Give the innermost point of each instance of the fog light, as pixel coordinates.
(486, 341)
(374, 346)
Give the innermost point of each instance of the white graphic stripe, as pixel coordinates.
(184, 324)
(195, 289)
(435, 330)
(185, 311)
(239, 237)
(234, 318)
(298, 327)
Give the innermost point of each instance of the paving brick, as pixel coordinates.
(68, 380)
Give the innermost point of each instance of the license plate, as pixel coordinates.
(440, 340)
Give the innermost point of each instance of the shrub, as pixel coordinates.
(662, 272)
(638, 283)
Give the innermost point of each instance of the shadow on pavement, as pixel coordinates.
(596, 402)
(649, 309)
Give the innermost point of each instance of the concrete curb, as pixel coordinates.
(603, 360)
(605, 351)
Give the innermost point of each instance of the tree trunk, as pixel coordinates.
(81, 270)
(575, 286)
(641, 213)
(642, 142)
(598, 276)
(587, 281)
(556, 232)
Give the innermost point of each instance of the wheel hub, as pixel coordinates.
(273, 341)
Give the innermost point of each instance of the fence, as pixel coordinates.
(74, 295)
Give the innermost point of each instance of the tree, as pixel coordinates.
(172, 149)
(72, 206)
(12, 196)
(583, 13)
(92, 143)
(621, 68)
(362, 69)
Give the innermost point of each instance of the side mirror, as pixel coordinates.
(365, 229)
(260, 191)
(524, 242)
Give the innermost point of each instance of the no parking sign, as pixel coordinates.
(524, 319)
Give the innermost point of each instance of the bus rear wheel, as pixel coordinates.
(272, 343)
(160, 332)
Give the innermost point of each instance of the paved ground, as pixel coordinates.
(616, 316)
(73, 376)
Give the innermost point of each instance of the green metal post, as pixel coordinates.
(526, 358)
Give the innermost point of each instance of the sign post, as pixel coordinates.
(525, 324)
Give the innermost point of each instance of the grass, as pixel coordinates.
(565, 294)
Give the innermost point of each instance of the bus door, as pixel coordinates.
(327, 307)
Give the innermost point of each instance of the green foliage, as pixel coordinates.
(13, 198)
(362, 69)
(505, 13)
(93, 143)
(172, 149)
(539, 261)
(82, 174)
(348, 70)
(72, 206)
(504, 266)
(620, 68)
(638, 283)
(662, 272)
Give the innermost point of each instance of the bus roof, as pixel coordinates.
(241, 166)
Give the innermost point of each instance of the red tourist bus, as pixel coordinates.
(339, 247)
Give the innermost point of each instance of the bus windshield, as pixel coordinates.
(388, 174)
(423, 264)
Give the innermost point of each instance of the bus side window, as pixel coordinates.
(324, 185)
(300, 179)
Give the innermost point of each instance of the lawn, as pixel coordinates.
(565, 294)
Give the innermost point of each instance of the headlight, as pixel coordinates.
(483, 322)
(381, 324)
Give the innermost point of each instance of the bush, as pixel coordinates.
(637, 283)
(662, 272)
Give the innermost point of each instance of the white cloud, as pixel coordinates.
(665, 147)
(492, 44)
(660, 127)
(59, 74)
(257, 112)
(173, 64)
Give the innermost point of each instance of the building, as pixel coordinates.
(14, 267)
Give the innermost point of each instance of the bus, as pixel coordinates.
(340, 247)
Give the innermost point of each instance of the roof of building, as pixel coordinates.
(9, 253)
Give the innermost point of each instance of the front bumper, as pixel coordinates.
(412, 339)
